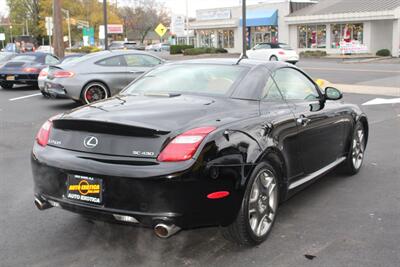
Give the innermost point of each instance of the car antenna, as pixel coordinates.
(242, 56)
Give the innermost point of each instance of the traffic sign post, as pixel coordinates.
(2, 38)
(49, 30)
(160, 30)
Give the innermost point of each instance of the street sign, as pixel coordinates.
(177, 26)
(88, 36)
(49, 25)
(160, 30)
(2, 36)
(82, 23)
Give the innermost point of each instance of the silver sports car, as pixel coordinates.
(98, 75)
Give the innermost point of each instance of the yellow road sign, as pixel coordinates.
(160, 30)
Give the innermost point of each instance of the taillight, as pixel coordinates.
(185, 145)
(281, 52)
(42, 136)
(30, 69)
(63, 74)
(43, 73)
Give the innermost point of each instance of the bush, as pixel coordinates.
(315, 53)
(383, 53)
(178, 49)
(203, 50)
(86, 49)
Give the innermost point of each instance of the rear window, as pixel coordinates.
(285, 46)
(25, 58)
(182, 78)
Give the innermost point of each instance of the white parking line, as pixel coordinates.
(22, 97)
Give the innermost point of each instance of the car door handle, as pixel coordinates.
(136, 71)
(303, 120)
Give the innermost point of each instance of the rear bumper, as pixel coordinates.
(173, 193)
(19, 78)
(52, 89)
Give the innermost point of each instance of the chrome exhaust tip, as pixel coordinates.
(164, 230)
(42, 204)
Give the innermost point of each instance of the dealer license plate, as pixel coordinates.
(10, 78)
(85, 189)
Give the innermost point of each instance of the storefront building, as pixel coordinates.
(221, 27)
(346, 27)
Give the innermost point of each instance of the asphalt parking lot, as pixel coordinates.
(337, 221)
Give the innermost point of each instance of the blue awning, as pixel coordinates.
(261, 17)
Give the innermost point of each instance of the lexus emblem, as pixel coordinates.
(90, 142)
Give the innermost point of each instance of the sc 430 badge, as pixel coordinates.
(84, 188)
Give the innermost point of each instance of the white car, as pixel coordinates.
(45, 49)
(273, 52)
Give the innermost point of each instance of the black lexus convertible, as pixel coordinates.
(198, 143)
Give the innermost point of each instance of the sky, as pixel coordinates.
(176, 6)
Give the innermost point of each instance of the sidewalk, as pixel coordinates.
(364, 89)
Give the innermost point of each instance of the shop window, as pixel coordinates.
(346, 33)
(264, 34)
(207, 38)
(218, 38)
(311, 36)
(226, 39)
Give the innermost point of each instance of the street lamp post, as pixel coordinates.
(105, 25)
(11, 34)
(66, 11)
(244, 37)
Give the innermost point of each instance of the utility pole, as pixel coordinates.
(105, 25)
(244, 37)
(58, 31)
(187, 22)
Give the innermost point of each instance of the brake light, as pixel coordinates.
(281, 52)
(43, 73)
(30, 69)
(42, 137)
(185, 145)
(63, 74)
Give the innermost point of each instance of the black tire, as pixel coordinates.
(46, 95)
(7, 85)
(273, 58)
(355, 158)
(242, 231)
(100, 89)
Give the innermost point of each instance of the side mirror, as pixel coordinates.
(332, 93)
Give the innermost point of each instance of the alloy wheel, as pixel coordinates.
(263, 202)
(358, 147)
(94, 93)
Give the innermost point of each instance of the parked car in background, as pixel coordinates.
(11, 47)
(123, 45)
(6, 56)
(44, 72)
(158, 47)
(273, 52)
(27, 47)
(98, 75)
(25, 69)
(45, 49)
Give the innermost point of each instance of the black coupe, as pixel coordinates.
(25, 69)
(198, 143)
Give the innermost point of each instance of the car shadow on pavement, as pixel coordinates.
(202, 246)
(21, 88)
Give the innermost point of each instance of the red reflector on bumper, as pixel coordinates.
(217, 195)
